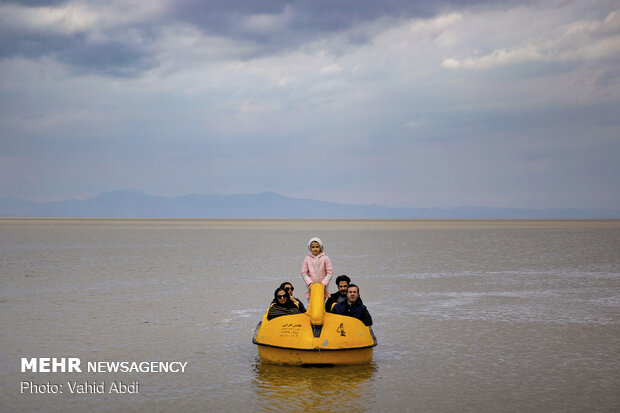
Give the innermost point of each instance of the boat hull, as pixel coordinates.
(295, 357)
(293, 340)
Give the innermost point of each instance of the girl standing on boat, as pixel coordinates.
(317, 266)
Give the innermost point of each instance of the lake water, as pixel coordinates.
(479, 316)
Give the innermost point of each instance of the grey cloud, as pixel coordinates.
(308, 19)
(36, 3)
(110, 57)
(113, 58)
(115, 53)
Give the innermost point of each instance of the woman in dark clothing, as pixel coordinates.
(289, 289)
(282, 306)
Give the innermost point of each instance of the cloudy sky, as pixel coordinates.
(394, 102)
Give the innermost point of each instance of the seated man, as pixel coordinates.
(342, 281)
(353, 306)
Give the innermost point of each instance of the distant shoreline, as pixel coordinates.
(268, 205)
(400, 221)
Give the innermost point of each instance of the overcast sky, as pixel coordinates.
(394, 102)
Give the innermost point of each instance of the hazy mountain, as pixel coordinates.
(132, 204)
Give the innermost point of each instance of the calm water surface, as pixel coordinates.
(480, 316)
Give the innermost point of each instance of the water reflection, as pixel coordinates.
(331, 388)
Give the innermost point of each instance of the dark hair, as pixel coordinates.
(284, 283)
(342, 277)
(289, 303)
(353, 285)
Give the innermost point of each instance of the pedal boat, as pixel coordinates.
(314, 337)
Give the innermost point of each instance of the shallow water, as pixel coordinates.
(469, 315)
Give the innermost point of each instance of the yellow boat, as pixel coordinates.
(314, 337)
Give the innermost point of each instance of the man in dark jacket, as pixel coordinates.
(353, 306)
(342, 281)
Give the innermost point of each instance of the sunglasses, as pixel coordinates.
(289, 288)
(281, 296)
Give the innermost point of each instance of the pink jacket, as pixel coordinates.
(317, 269)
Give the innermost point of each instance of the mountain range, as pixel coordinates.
(133, 204)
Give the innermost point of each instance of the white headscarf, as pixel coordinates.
(317, 239)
